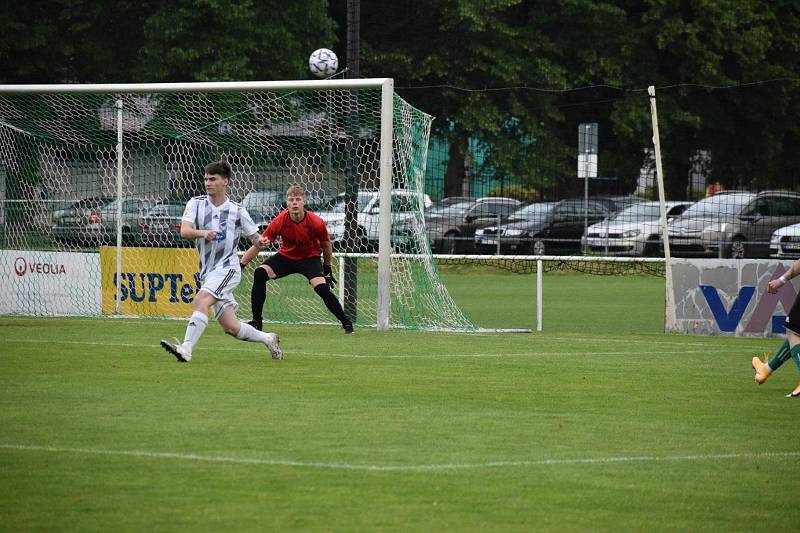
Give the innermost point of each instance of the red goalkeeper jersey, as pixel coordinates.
(299, 240)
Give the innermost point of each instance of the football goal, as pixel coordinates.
(93, 180)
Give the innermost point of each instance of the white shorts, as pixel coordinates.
(220, 284)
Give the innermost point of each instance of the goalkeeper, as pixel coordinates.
(790, 348)
(303, 236)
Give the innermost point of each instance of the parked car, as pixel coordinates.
(733, 224)
(263, 206)
(68, 222)
(634, 231)
(450, 200)
(406, 205)
(451, 228)
(785, 243)
(161, 226)
(93, 221)
(505, 239)
(559, 232)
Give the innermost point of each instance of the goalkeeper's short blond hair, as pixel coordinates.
(295, 190)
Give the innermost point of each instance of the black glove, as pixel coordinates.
(242, 266)
(329, 279)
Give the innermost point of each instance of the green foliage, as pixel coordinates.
(230, 40)
(685, 49)
(709, 61)
(520, 192)
(54, 41)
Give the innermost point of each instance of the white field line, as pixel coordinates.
(234, 348)
(696, 341)
(400, 467)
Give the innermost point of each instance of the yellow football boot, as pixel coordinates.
(762, 370)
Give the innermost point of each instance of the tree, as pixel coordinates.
(233, 40)
(472, 44)
(690, 48)
(129, 41)
(465, 49)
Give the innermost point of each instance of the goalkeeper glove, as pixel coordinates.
(329, 279)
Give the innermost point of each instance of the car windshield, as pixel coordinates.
(718, 206)
(89, 203)
(260, 201)
(451, 211)
(532, 211)
(638, 213)
(129, 205)
(363, 200)
(172, 210)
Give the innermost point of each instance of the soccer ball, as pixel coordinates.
(323, 62)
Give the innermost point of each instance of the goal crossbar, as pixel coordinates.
(206, 87)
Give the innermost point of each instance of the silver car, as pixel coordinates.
(93, 221)
(785, 243)
(161, 226)
(734, 224)
(634, 231)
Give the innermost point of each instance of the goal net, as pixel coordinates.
(94, 179)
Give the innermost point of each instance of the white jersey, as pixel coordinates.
(229, 221)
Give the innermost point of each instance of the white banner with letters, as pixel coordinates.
(43, 283)
(729, 297)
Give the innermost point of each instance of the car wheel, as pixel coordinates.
(450, 243)
(652, 247)
(538, 247)
(737, 250)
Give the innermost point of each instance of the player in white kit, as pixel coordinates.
(216, 223)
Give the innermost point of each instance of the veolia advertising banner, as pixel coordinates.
(49, 283)
(729, 297)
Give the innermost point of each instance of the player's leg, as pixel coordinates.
(793, 336)
(778, 357)
(783, 353)
(244, 331)
(794, 353)
(194, 329)
(258, 293)
(323, 290)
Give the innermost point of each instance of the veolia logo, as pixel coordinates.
(728, 320)
(20, 266)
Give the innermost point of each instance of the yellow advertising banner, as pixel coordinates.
(155, 281)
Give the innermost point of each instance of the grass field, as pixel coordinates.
(600, 422)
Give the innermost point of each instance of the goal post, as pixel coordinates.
(94, 173)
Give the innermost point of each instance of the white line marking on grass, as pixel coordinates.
(495, 355)
(400, 467)
(238, 349)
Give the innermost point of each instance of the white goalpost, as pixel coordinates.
(669, 293)
(91, 173)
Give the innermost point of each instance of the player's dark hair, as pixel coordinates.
(221, 168)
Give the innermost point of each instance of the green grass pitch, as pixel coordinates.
(598, 423)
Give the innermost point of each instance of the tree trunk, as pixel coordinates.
(454, 175)
(676, 179)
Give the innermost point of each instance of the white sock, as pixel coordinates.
(249, 333)
(195, 328)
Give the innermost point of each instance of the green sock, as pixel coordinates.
(780, 356)
(795, 351)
